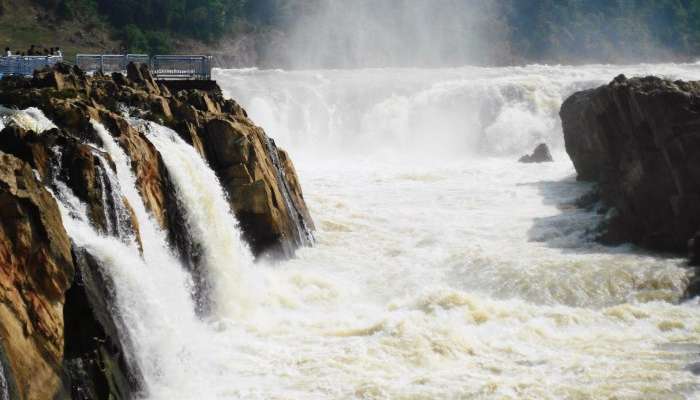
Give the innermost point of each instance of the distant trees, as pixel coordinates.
(603, 30)
(547, 30)
(146, 25)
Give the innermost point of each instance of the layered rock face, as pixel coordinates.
(640, 140)
(36, 268)
(59, 336)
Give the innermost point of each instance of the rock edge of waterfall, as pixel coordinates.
(58, 332)
(639, 140)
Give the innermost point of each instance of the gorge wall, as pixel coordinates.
(60, 336)
(640, 140)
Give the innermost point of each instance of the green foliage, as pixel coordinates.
(149, 42)
(539, 30)
(77, 8)
(604, 30)
(147, 25)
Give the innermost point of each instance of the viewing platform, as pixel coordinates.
(26, 65)
(163, 67)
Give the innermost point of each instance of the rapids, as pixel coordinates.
(442, 268)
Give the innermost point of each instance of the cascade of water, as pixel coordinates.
(116, 214)
(30, 118)
(154, 239)
(226, 256)
(152, 291)
(417, 113)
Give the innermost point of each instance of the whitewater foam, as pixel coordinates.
(442, 267)
(210, 222)
(30, 118)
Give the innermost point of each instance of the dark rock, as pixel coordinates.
(694, 250)
(94, 348)
(540, 154)
(640, 140)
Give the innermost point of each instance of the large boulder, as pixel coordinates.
(539, 155)
(260, 180)
(640, 140)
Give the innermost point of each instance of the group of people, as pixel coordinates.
(34, 51)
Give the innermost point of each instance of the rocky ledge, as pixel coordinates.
(59, 336)
(639, 139)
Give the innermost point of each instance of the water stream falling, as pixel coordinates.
(443, 269)
(209, 218)
(31, 119)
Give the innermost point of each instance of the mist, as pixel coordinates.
(318, 34)
(394, 33)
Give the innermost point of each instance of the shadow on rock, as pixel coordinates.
(581, 221)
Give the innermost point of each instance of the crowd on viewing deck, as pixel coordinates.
(34, 51)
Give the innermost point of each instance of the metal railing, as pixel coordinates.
(163, 67)
(181, 67)
(108, 63)
(26, 65)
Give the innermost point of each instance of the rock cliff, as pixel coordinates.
(640, 140)
(59, 337)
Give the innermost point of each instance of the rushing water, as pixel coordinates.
(442, 268)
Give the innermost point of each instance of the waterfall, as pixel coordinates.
(153, 291)
(417, 114)
(117, 216)
(4, 384)
(154, 239)
(210, 222)
(30, 118)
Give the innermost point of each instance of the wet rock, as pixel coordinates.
(540, 154)
(95, 352)
(59, 335)
(269, 201)
(639, 139)
(266, 199)
(36, 269)
(694, 368)
(694, 250)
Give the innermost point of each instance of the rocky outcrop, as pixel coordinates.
(539, 155)
(36, 269)
(92, 364)
(640, 140)
(267, 200)
(59, 336)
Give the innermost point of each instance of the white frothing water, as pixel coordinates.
(30, 118)
(148, 287)
(443, 269)
(424, 113)
(209, 219)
